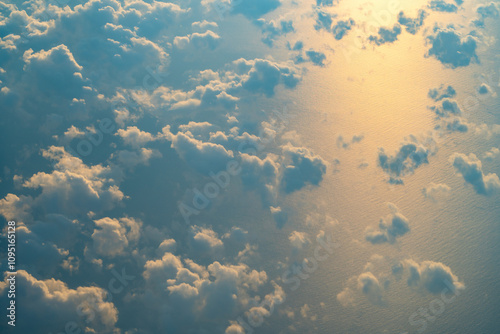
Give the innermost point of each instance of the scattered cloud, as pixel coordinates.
(452, 48)
(389, 229)
(470, 167)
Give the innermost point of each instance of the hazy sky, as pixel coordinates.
(251, 166)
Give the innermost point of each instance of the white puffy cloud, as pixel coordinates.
(436, 191)
(198, 293)
(302, 168)
(130, 159)
(17, 208)
(491, 154)
(262, 75)
(298, 239)
(73, 186)
(452, 48)
(204, 157)
(204, 241)
(470, 167)
(208, 40)
(369, 285)
(167, 245)
(434, 277)
(394, 226)
(366, 285)
(112, 236)
(134, 137)
(50, 303)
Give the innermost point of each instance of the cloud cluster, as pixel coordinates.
(197, 293)
(71, 187)
(378, 276)
(42, 300)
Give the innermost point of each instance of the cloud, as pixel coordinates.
(195, 293)
(342, 143)
(279, 216)
(73, 132)
(456, 124)
(261, 175)
(204, 157)
(437, 94)
(484, 89)
(273, 29)
(167, 246)
(371, 287)
(470, 168)
(412, 154)
(205, 40)
(134, 137)
(386, 35)
(394, 226)
(13, 207)
(491, 154)
(234, 329)
(130, 159)
(318, 58)
(448, 107)
(412, 25)
(489, 10)
(324, 21)
(436, 191)
(303, 167)
(298, 240)
(73, 186)
(366, 285)
(341, 28)
(324, 2)
(55, 70)
(204, 240)
(451, 48)
(42, 300)
(253, 9)
(485, 11)
(442, 6)
(204, 25)
(434, 277)
(262, 76)
(111, 236)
